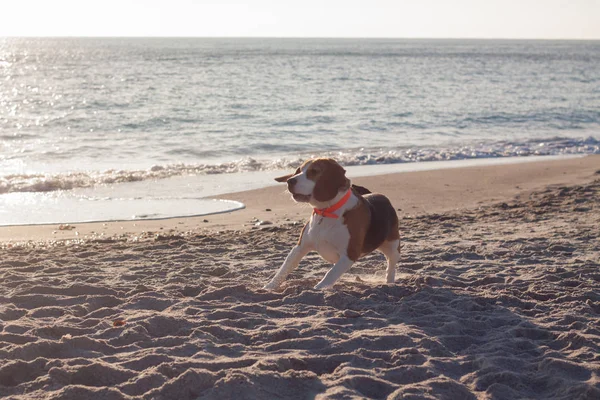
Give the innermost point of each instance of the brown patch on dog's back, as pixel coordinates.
(370, 223)
(384, 222)
(330, 178)
(357, 220)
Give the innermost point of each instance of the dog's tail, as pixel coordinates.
(360, 190)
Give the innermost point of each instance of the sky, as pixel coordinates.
(512, 19)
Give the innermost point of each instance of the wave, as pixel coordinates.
(18, 136)
(73, 180)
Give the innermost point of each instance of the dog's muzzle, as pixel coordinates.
(304, 198)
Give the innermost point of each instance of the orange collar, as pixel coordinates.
(329, 212)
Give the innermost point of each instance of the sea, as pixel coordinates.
(102, 129)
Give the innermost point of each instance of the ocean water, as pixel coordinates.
(115, 121)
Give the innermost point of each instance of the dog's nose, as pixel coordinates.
(292, 181)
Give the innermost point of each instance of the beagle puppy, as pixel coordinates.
(347, 222)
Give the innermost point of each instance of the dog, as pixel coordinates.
(348, 221)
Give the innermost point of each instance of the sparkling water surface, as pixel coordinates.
(84, 113)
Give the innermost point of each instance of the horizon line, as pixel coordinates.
(287, 37)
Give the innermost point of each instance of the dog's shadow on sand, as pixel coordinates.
(420, 341)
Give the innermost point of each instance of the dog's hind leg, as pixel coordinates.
(391, 250)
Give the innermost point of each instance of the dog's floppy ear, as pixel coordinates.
(288, 176)
(284, 178)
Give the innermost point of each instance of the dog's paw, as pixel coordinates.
(323, 286)
(270, 286)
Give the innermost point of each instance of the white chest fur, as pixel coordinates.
(329, 236)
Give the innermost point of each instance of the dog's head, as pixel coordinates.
(317, 181)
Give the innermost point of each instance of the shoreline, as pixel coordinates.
(412, 193)
(121, 202)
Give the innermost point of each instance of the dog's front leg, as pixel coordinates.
(343, 265)
(290, 263)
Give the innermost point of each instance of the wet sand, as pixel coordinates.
(412, 193)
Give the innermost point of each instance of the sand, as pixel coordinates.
(497, 297)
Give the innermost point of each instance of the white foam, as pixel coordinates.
(81, 179)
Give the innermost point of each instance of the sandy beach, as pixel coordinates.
(497, 296)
